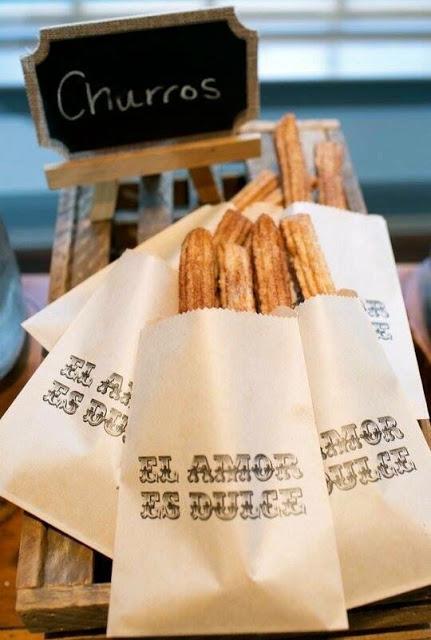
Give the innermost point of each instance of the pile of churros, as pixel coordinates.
(261, 266)
(294, 183)
(252, 267)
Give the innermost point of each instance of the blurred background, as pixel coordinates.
(366, 62)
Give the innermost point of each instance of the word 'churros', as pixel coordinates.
(295, 181)
(273, 285)
(306, 256)
(197, 273)
(235, 278)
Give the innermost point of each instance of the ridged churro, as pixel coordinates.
(256, 190)
(233, 227)
(197, 272)
(306, 256)
(295, 181)
(273, 285)
(235, 278)
(329, 157)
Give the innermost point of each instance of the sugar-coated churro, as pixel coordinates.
(306, 256)
(197, 272)
(233, 227)
(329, 158)
(235, 278)
(273, 285)
(295, 181)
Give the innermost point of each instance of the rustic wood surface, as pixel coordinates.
(35, 289)
(151, 160)
(56, 598)
(104, 201)
(206, 185)
(155, 204)
(409, 634)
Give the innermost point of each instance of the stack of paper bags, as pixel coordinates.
(226, 504)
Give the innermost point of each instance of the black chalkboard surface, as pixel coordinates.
(124, 82)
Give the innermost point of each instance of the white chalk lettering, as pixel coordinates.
(60, 98)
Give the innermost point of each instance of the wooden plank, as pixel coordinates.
(155, 204)
(152, 160)
(205, 185)
(9, 542)
(425, 426)
(268, 126)
(64, 608)
(19, 634)
(371, 617)
(409, 634)
(31, 553)
(63, 242)
(104, 200)
(355, 199)
(92, 241)
(67, 562)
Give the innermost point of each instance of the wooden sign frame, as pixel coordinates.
(122, 25)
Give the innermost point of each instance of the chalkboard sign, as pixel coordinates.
(124, 82)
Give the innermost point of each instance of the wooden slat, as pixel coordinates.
(63, 242)
(352, 189)
(92, 241)
(268, 126)
(104, 201)
(155, 210)
(67, 562)
(371, 617)
(57, 606)
(205, 185)
(64, 608)
(19, 634)
(32, 553)
(152, 160)
(425, 426)
(409, 634)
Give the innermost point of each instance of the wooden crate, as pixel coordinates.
(63, 586)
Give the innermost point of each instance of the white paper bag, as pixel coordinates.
(49, 324)
(194, 551)
(61, 440)
(359, 254)
(378, 465)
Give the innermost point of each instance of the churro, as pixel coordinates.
(197, 272)
(233, 227)
(306, 256)
(235, 278)
(295, 181)
(329, 157)
(273, 286)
